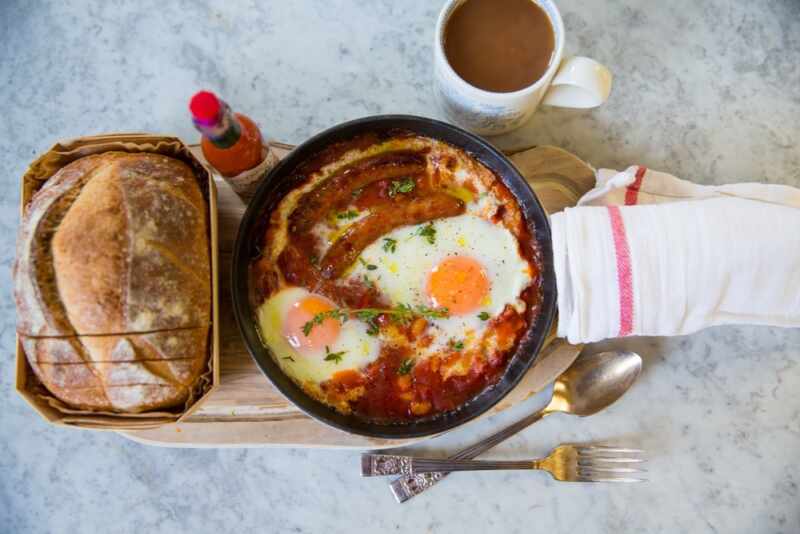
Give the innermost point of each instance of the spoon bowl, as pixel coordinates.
(594, 382)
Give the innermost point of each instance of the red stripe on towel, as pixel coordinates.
(624, 274)
(632, 192)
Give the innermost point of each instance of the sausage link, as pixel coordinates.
(340, 186)
(362, 233)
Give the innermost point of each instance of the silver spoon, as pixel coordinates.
(590, 385)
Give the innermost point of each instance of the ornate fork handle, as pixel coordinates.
(378, 465)
(421, 466)
(391, 464)
(411, 485)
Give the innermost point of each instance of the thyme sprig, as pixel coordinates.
(319, 318)
(402, 314)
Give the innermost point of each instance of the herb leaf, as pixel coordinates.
(369, 266)
(369, 317)
(335, 357)
(406, 185)
(484, 316)
(402, 313)
(367, 314)
(389, 244)
(373, 329)
(456, 345)
(405, 367)
(428, 232)
(319, 318)
(433, 313)
(349, 214)
(369, 283)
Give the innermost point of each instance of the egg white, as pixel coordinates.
(402, 275)
(310, 366)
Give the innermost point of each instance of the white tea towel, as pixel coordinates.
(646, 253)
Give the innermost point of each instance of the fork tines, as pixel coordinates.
(606, 449)
(600, 463)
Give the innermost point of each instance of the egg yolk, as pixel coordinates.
(458, 283)
(303, 311)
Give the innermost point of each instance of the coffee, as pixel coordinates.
(499, 45)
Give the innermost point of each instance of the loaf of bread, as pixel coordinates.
(112, 282)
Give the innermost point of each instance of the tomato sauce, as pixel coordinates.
(396, 393)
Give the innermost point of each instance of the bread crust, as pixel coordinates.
(34, 277)
(112, 282)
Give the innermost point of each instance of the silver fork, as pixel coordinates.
(567, 463)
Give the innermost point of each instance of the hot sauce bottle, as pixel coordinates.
(231, 143)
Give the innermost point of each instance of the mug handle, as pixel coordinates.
(580, 83)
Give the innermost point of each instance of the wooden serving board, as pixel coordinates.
(247, 411)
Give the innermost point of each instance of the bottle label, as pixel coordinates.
(244, 184)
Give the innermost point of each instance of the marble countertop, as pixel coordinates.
(705, 90)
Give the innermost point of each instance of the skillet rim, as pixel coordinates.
(269, 193)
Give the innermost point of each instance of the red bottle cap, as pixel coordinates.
(205, 106)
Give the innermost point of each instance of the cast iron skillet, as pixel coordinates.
(280, 181)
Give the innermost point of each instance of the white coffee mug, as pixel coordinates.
(574, 82)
